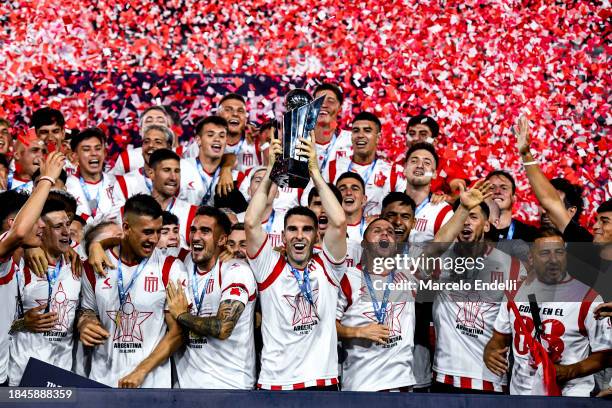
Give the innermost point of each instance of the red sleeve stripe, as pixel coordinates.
(123, 186)
(166, 269)
(9, 276)
(258, 151)
(125, 159)
(190, 217)
(393, 177)
(317, 259)
(345, 285)
(515, 267)
(91, 277)
(332, 171)
(240, 179)
(182, 255)
(259, 250)
(440, 218)
(584, 310)
(278, 269)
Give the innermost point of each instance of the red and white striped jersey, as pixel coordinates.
(463, 320)
(299, 337)
(247, 154)
(55, 346)
(370, 366)
(129, 160)
(102, 191)
(380, 177)
(185, 213)
(570, 332)
(8, 292)
(340, 146)
(210, 363)
(197, 187)
(274, 226)
(428, 221)
(138, 326)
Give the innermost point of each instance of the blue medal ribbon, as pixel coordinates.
(124, 291)
(304, 285)
(9, 183)
(421, 206)
(328, 150)
(270, 222)
(379, 310)
(209, 187)
(199, 300)
(51, 280)
(368, 172)
(511, 230)
(171, 204)
(90, 202)
(361, 227)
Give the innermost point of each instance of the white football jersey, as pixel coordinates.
(353, 252)
(299, 337)
(428, 221)
(138, 326)
(71, 168)
(128, 161)
(274, 226)
(570, 332)
(55, 346)
(185, 213)
(380, 178)
(197, 185)
(87, 194)
(18, 184)
(211, 363)
(340, 145)
(371, 366)
(247, 154)
(287, 197)
(355, 231)
(464, 320)
(8, 292)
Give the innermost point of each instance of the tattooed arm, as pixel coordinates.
(219, 326)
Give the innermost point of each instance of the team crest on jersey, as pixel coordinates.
(392, 321)
(304, 314)
(109, 192)
(497, 276)
(340, 153)
(420, 224)
(151, 284)
(247, 159)
(128, 335)
(63, 306)
(470, 315)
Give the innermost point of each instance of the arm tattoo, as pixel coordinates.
(18, 326)
(219, 326)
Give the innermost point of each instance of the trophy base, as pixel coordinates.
(290, 173)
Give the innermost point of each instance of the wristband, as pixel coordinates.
(49, 179)
(530, 163)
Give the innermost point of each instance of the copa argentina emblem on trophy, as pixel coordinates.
(300, 118)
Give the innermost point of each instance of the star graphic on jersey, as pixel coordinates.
(129, 319)
(392, 317)
(61, 305)
(471, 309)
(303, 312)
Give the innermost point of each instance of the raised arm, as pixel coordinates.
(30, 212)
(255, 234)
(335, 235)
(542, 188)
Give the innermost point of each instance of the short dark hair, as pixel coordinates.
(214, 119)
(370, 117)
(301, 210)
(12, 201)
(315, 193)
(379, 218)
(573, 195)
(87, 134)
(169, 219)
(92, 232)
(505, 174)
(160, 155)
(427, 121)
(4, 161)
(142, 205)
(606, 206)
(351, 175)
(220, 217)
(398, 196)
(62, 177)
(79, 219)
(424, 146)
(328, 86)
(547, 232)
(70, 203)
(484, 207)
(53, 205)
(239, 226)
(47, 116)
(5, 122)
(231, 96)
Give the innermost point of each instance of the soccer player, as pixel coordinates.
(379, 176)
(29, 151)
(570, 336)
(21, 228)
(169, 236)
(352, 188)
(375, 323)
(92, 188)
(464, 318)
(124, 315)
(220, 349)
(58, 293)
(298, 290)
(330, 141)
(421, 164)
(273, 216)
(236, 241)
(50, 127)
(398, 208)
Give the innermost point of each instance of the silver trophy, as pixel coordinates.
(300, 118)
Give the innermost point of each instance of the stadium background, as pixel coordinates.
(473, 65)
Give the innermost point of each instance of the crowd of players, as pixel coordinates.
(189, 254)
